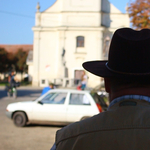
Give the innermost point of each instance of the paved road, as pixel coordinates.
(33, 137)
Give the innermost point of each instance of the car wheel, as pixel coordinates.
(19, 119)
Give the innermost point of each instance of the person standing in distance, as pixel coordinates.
(46, 89)
(84, 79)
(12, 79)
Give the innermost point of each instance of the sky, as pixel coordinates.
(17, 17)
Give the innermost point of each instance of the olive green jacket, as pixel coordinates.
(125, 126)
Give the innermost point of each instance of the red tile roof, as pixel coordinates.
(14, 48)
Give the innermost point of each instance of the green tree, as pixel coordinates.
(20, 60)
(3, 60)
(11, 61)
(139, 13)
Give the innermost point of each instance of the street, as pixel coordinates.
(39, 137)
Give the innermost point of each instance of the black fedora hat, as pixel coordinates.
(129, 55)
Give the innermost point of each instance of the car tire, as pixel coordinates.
(19, 119)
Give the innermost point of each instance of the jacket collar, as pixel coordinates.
(129, 97)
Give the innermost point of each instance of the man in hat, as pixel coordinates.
(126, 123)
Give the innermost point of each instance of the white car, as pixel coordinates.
(57, 106)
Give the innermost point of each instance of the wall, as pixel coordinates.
(57, 28)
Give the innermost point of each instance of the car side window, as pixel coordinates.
(54, 98)
(79, 99)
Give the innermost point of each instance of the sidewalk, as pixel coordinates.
(35, 87)
(25, 87)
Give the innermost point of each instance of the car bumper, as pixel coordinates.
(9, 114)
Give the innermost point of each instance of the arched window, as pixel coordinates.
(80, 41)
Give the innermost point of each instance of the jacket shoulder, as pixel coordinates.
(78, 128)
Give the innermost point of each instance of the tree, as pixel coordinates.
(139, 13)
(20, 58)
(3, 60)
(11, 61)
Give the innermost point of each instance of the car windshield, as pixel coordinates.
(54, 98)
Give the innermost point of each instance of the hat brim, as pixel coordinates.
(98, 68)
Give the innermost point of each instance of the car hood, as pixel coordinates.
(24, 106)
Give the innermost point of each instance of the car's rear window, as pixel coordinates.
(79, 99)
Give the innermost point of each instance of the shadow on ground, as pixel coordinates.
(22, 92)
(30, 93)
(42, 125)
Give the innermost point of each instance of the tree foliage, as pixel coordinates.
(21, 57)
(139, 13)
(13, 61)
(10, 62)
(3, 59)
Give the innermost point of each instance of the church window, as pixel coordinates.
(80, 41)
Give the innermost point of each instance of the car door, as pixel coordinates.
(79, 106)
(51, 107)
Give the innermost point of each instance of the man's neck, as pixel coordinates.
(129, 91)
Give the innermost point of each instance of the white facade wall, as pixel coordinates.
(57, 28)
(75, 5)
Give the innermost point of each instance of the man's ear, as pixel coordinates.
(107, 84)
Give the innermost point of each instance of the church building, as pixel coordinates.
(69, 33)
